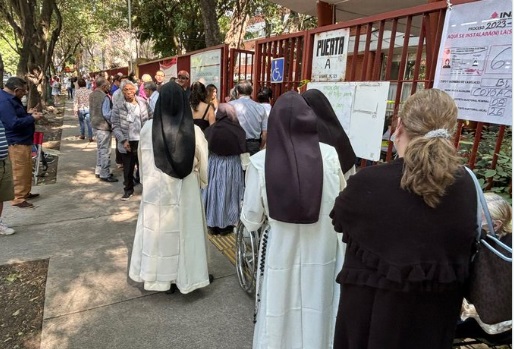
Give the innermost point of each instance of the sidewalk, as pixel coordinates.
(86, 231)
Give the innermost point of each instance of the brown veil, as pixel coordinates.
(330, 130)
(293, 165)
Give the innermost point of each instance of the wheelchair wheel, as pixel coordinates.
(247, 248)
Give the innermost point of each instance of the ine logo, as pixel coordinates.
(502, 15)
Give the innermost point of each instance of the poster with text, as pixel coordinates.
(206, 67)
(329, 55)
(475, 60)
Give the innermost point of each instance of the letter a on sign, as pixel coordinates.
(327, 64)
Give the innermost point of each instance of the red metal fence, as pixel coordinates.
(400, 47)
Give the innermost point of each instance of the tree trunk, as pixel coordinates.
(210, 22)
(237, 30)
(38, 26)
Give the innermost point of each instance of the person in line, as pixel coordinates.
(116, 84)
(6, 184)
(100, 110)
(144, 79)
(150, 89)
(81, 110)
(264, 98)
(56, 90)
(127, 119)
(293, 184)
(252, 117)
(212, 96)
(183, 81)
(19, 129)
(169, 244)
(117, 98)
(69, 89)
(409, 226)
(330, 130)
(223, 196)
(203, 113)
(159, 79)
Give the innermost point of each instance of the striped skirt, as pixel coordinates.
(224, 193)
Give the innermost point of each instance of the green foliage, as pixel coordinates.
(87, 25)
(172, 25)
(501, 175)
(9, 55)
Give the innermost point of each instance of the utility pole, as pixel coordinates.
(130, 33)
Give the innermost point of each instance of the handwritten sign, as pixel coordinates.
(475, 60)
(360, 108)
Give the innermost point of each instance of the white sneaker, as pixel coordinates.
(5, 230)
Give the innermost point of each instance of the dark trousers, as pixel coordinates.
(129, 163)
(253, 145)
(119, 161)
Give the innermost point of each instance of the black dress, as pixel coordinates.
(406, 263)
(202, 123)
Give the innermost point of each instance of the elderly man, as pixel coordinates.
(252, 117)
(19, 130)
(128, 117)
(183, 79)
(152, 94)
(100, 110)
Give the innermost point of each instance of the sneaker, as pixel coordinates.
(127, 195)
(5, 230)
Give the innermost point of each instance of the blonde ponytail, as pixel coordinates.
(430, 161)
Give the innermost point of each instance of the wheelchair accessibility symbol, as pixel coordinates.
(277, 70)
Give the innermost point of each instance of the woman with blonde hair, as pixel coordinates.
(409, 226)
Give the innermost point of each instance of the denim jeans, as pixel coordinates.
(84, 119)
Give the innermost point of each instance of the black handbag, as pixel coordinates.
(489, 286)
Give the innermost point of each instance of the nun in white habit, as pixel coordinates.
(170, 241)
(293, 183)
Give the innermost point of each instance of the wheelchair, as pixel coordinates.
(247, 255)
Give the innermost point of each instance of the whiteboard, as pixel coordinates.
(360, 108)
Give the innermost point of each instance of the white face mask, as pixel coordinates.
(393, 137)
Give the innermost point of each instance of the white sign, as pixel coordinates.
(329, 55)
(206, 67)
(360, 108)
(475, 60)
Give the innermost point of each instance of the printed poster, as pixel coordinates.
(475, 60)
(206, 67)
(329, 56)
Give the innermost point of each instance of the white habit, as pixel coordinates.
(298, 293)
(170, 241)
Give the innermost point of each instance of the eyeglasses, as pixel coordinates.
(182, 77)
(23, 90)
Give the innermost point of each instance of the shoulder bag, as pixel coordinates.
(490, 280)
